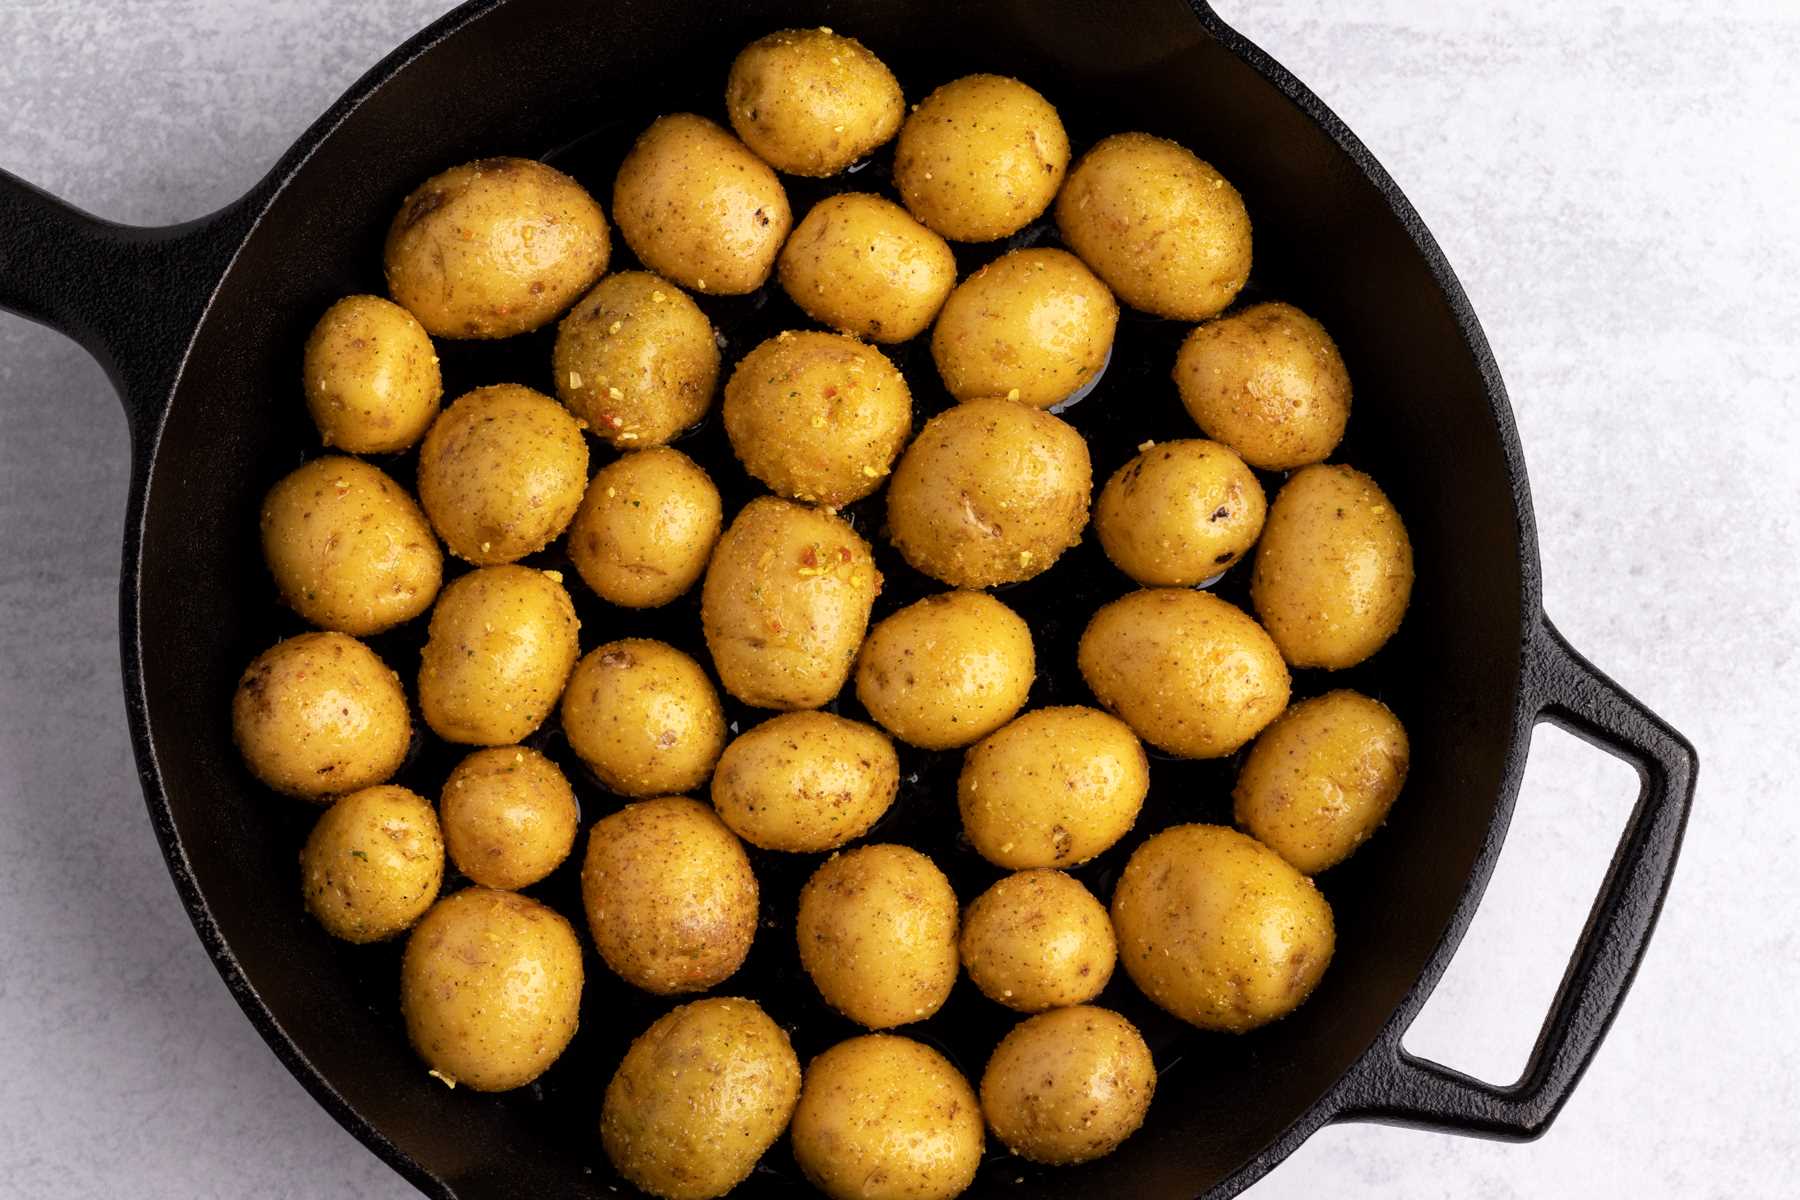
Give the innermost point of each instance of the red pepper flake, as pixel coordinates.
(844, 554)
(809, 557)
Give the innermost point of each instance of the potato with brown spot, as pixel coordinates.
(1180, 513)
(636, 360)
(980, 158)
(370, 374)
(877, 933)
(860, 264)
(1269, 383)
(811, 102)
(501, 646)
(646, 527)
(947, 670)
(805, 782)
(1038, 940)
(372, 864)
(509, 816)
(1068, 1086)
(644, 717)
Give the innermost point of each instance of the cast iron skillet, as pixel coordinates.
(200, 327)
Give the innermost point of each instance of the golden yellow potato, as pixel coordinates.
(991, 491)
(1179, 513)
(495, 247)
(509, 816)
(947, 670)
(1053, 788)
(811, 102)
(701, 1095)
(980, 158)
(1334, 571)
(1068, 1086)
(1033, 325)
(884, 1118)
(1167, 233)
(1218, 929)
(1038, 940)
(818, 417)
(862, 265)
(501, 473)
(1322, 778)
(785, 604)
(645, 528)
(670, 897)
(319, 714)
(644, 717)
(501, 646)
(490, 988)
(697, 207)
(372, 864)
(805, 781)
(1190, 673)
(877, 932)
(370, 374)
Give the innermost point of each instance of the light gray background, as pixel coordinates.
(1616, 186)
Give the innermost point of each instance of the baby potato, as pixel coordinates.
(980, 158)
(862, 265)
(946, 671)
(1269, 383)
(701, 1095)
(818, 417)
(637, 360)
(1068, 1086)
(991, 491)
(785, 604)
(370, 375)
(697, 207)
(501, 473)
(877, 932)
(372, 864)
(1052, 789)
(500, 648)
(1038, 940)
(1334, 571)
(646, 527)
(1190, 673)
(670, 897)
(811, 102)
(1168, 234)
(1322, 778)
(644, 717)
(509, 816)
(1218, 929)
(319, 714)
(1034, 326)
(490, 988)
(495, 247)
(1179, 513)
(805, 782)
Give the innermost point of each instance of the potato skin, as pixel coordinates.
(372, 864)
(646, 527)
(980, 158)
(501, 645)
(1269, 383)
(1038, 940)
(370, 374)
(877, 933)
(1068, 1086)
(509, 816)
(805, 781)
(699, 1098)
(811, 102)
(947, 670)
(644, 717)
(860, 264)
(1180, 513)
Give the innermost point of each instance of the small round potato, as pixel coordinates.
(510, 818)
(1033, 325)
(862, 265)
(980, 158)
(1218, 929)
(701, 1095)
(1068, 1086)
(805, 782)
(644, 717)
(370, 375)
(1334, 571)
(490, 987)
(697, 207)
(877, 932)
(818, 417)
(1179, 513)
(1038, 940)
(495, 247)
(1322, 778)
(1190, 673)
(992, 491)
(811, 102)
(372, 864)
(1166, 232)
(501, 645)
(1052, 789)
(646, 527)
(946, 671)
(1269, 383)
(670, 897)
(501, 473)
(319, 714)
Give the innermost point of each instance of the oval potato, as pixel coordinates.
(805, 781)
(811, 102)
(372, 864)
(1038, 940)
(980, 158)
(646, 527)
(644, 717)
(509, 815)
(860, 264)
(947, 670)
(370, 374)
(1068, 1086)
(877, 933)
(1180, 513)
(501, 646)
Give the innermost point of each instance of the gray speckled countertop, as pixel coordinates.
(1616, 186)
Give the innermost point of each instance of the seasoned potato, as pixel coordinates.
(670, 897)
(980, 158)
(811, 102)
(1166, 232)
(501, 473)
(785, 604)
(490, 987)
(877, 932)
(946, 671)
(1269, 383)
(370, 376)
(510, 817)
(644, 717)
(817, 416)
(1068, 1086)
(645, 528)
(495, 247)
(697, 207)
(805, 781)
(1038, 940)
(372, 864)
(862, 265)
(1052, 789)
(501, 645)
(320, 714)
(1218, 929)
(1190, 673)
(701, 1095)
(1179, 513)
(1334, 571)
